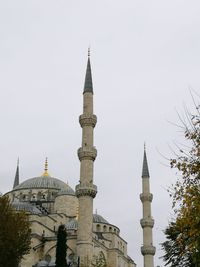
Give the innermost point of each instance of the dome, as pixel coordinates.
(26, 207)
(73, 224)
(68, 191)
(42, 264)
(99, 219)
(43, 182)
(52, 263)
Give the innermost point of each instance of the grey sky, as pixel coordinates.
(144, 56)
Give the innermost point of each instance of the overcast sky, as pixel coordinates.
(144, 56)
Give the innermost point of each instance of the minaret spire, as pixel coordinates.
(88, 86)
(145, 169)
(86, 190)
(147, 222)
(16, 181)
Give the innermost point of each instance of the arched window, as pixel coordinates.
(98, 228)
(105, 228)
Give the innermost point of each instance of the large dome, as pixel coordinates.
(43, 182)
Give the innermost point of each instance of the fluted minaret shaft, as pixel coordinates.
(86, 190)
(147, 222)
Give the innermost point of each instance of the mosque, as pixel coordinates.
(50, 202)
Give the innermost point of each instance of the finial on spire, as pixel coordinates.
(89, 51)
(77, 213)
(144, 146)
(46, 168)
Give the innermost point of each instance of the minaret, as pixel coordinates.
(16, 181)
(147, 223)
(86, 190)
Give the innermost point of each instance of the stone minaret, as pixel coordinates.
(147, 223)
(86, 190)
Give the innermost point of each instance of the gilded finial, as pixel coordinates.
(77, 212)
(46, 168)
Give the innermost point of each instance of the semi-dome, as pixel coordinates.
(26, 207)
(43, 182)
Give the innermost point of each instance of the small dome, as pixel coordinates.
(68, 191)
(42, 264)
(26, 207)
(99, 219)
(43, 182)
(72, 225)
(52, 263)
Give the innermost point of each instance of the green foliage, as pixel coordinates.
(61, 247)
(182, 247)
(15, 234)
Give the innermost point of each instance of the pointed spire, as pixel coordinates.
(145, 169)
(88, 87)
(16, 181)
(46, 168)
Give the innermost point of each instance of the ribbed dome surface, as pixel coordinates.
(43, 182)
(99, 219)
(26, 207)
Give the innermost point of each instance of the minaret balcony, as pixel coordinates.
(87, 120)
(147, 222)
(87, 153)
(86, 189)
(148, 250)
(146, 197)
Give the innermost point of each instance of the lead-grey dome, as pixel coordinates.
(73, 224)
(68, 191)
(43, 182)
(99, 219)
(42, 264)
(26, 207)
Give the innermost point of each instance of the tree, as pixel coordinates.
(15, 234)
(61, 247)
(182, 247)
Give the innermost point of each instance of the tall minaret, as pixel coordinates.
(86, 190)
(147, 223)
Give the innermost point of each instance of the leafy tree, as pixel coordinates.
(182, 247)
(15, 234)
(61, 247)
